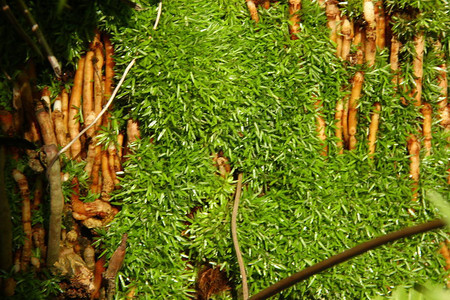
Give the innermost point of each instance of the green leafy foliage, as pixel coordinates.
(209, 79)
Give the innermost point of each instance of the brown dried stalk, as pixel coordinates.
(115, 263)
(371, 33)
(419, 43)
(22, 182)
(338, 118)
(251, 5)
(45, 122)
(294, 18)
(381, 25)
(352, 109)
(321, 126)
(414, 166)
(373, 129)
(88, 85)
(334, 16)
(426, 127)
(75, 105)
(346, 31)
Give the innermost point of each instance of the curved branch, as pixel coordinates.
(346, 255)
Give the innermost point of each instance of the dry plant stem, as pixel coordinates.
(419, 43)
(158, 16)
(381, 25)
(6, 250)
(95, 176)
(338, 118)
(22, 182)
(88, 85)
(56, 204)
(58, 121)
(426, 128)
(253, 11)
(371, 33)
(346, 255)
(98, 88)
(115, 263)
(395, 50)
(321, 126)
(443, 108)
(333, 15)
(90, 159)
(109, 66)
(108, 181)
(75, 139)
(446, 254)
(345, 121)
(75, 105)
(112, 157)
(414, 166)
(235, 238)
(133, 133)
(352, 109)
(41, 38)
(294, 18)
(346, 31)
(99, 269)
(373, 129)
(46, 124)
(65, 109)
(12, 19)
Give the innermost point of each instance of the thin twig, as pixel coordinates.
(41, 38)
(12, 19)
(346, 255)
(235, 238)
(105, 108)
(158, 16)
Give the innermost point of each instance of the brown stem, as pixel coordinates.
(346, 255)
(235, 237)
(426, 128)
(373, 129)
(371, 33)
(353, 110)
(56, 204)
(294, 18)
(26, 218)
(333, 15)
(253, 11)
(419, 43)
(414, 166)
